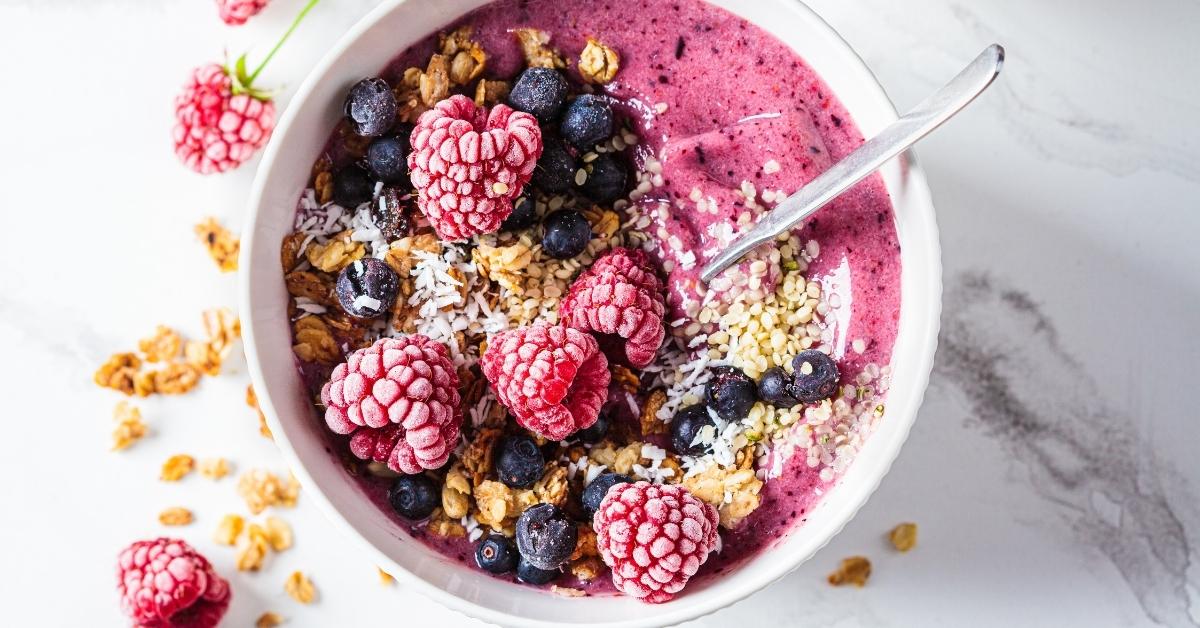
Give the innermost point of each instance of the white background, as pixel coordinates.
(1053, 469)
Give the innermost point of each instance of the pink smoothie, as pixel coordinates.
(715, 99)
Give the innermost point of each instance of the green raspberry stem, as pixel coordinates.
(288, 33)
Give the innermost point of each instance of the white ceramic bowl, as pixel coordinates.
(302, 131)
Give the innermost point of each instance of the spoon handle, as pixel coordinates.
(893, 140)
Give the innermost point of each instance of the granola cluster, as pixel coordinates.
(178, 364)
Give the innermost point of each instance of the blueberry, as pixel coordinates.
(731, 393)
(390, 211)
(371, 107)
(587, 122)
(522, 217)
(387, 159)
(496, 554)
(539, 91)
(605, 182)
(773, 388)
(519, 462)
(546, 536)
(526, 572)
(686, 426)
(567, 234)
(555, 170)
(594, 432)
(594, 493)
(367, 287)
(352, 186)
(414, 496)
(814, 376)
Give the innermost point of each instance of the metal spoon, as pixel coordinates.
(893, 140)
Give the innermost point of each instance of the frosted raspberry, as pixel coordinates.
(552, 378)
(399, 398)
(468, 164)
(654, 538)
(236, 12)
(164, 582)
(216, 130)
(619, 296)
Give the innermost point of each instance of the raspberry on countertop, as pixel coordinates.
(165, 582)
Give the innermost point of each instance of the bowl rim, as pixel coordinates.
(925, 334)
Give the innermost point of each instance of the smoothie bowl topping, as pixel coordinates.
(495, 302)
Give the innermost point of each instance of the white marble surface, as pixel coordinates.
(1053, 469)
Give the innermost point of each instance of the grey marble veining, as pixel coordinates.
(1030, 395)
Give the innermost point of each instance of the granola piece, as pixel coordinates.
(222, 245)
(477, 457)
(649, 418)
(626, 379)
(567, 591)
(587, 569)
(456, 493)
(314, 341)
(175, 516)
(626, 457)
(488, 92)
(176, 467)
(300, 588)
(434, 85)
(535, 45)
(498, 505)
(467, 58)
(854, 570)
(552, 487)
(279, 534)
(408, 96)
(598, 63)
(250, 556)
(289, 249)
(143, 384)
(261, 489)
(385, 578)
(229, 529)
(352, 330)
(214, 468)
(735, 492)
(400, 256)
(604, 222)
(310, 285)
(904, 536)
(252, 401)
(672, 462)
(118, 372)
(201, 356)
(505, 265)
(130, 427)
(585, 546)
(268, 620)
(323, 186)
(163, 346)
(176, 378)
(335, 254)
(443, 526)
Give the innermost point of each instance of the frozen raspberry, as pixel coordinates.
(215, 129)
(619, 296)
(399, 398)
(468, 164)
(164, 582)
(553, 379)
(236, 12)
(654, 537)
